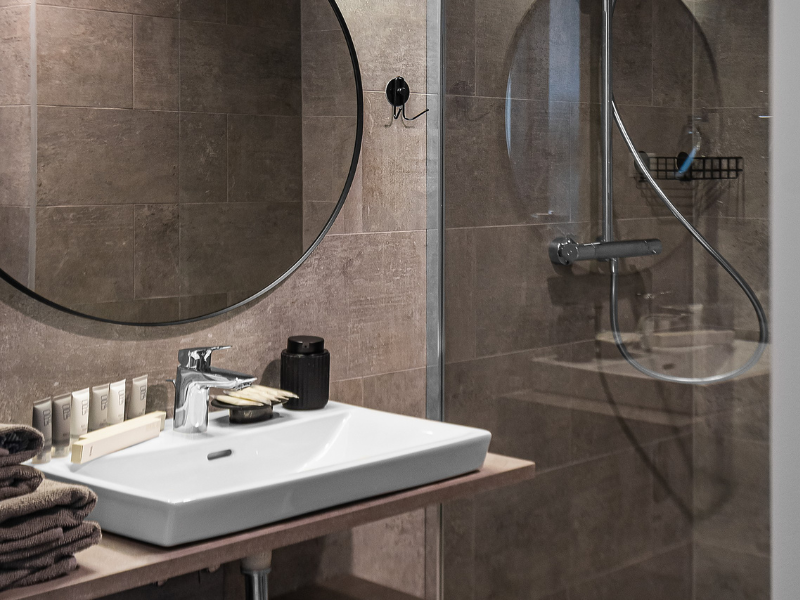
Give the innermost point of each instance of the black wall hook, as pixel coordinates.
(397, 93)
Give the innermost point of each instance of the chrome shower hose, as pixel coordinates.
(740, 281)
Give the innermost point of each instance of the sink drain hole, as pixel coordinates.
(220, 454)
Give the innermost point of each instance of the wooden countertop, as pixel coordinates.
(119, 563)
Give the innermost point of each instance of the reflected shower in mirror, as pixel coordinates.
(170, 161)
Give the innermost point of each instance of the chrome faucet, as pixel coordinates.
(194, 378)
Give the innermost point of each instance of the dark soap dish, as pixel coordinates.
(241, 415)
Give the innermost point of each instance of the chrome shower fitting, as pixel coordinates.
(564, 251)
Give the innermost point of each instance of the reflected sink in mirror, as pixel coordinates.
(180, 488)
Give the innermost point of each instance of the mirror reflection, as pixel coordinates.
(166, 165)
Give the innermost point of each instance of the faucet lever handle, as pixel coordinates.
(198, 358)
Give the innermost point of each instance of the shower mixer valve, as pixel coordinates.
(565, 250)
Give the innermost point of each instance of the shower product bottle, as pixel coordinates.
(43, 422)
(116, 403)
(79, 415)
(62, 406)
(98, 408)
(138, 401)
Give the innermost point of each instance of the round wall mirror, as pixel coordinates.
(168, 166)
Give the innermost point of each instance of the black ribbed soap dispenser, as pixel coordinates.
(306, 371)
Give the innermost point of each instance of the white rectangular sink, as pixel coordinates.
(172, 490)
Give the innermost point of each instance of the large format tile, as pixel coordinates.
(15, 168)
(500, 172)
(402, 392)
(666, 576)
(203, 158)
(277, 14)
(722, 574)
(744, 133)
(389, 42)
(236, 246)
(461, 42)
(212, 11)
(155, 63)
(156, 250)
(673, 28)
(14, 236)
(265, 159)
(156, 8)
(459, 281)
(731, 493)
(85, 58)
(394, 182)
(317, 15)
(84, 255)
(237, 69)
(732, 53)
(745, 243)
(386, 314)
(329, 88)
(522, 300)
(399, 542)
(611, 512)
(633, 33)
(15, 55)
(522, 539)
(90, 156)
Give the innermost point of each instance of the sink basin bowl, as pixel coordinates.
(180, 488)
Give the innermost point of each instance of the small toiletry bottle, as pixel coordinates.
(62, 409)
(306, 371)
(98, 408)
(43, 422)
(79, 415)
(116, 403)
(137, 405)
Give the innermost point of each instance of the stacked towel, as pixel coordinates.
(41, 521)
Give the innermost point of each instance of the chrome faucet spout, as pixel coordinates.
(194, 378)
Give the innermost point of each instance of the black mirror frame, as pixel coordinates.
(348, 183)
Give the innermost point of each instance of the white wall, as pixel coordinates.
(785, 221)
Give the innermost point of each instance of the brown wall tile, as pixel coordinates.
(14, 236)
(317, 15)
(382, 53)
(213, 11)
(260, 241)
(402, 392)
(155, 63)
(15, 55)
(721, 574)
(156, 250)
(15, 168)
(84, 255)
(265, 159)
(394, 181)
(203, 158)
(278, 14)
(328, 81)
(406, 553)
(235, 69)
(79, 147)
(156, 8)
(85, 58)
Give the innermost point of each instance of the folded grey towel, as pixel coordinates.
(19, 443)
(52, 504)
(16, 480)
(22, 577)
(38, 557)
(49, 535)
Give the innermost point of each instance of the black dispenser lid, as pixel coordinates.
(305, 344)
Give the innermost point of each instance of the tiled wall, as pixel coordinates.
(363, 289)
(638, 494)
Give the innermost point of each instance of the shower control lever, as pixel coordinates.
(565, 250)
